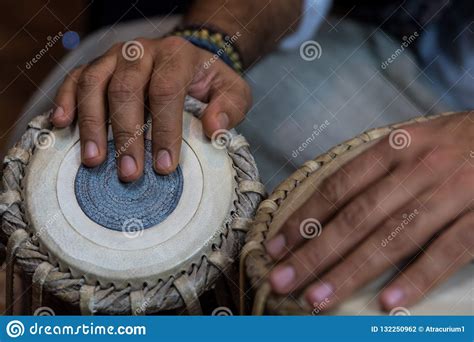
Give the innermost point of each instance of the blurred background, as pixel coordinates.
(29, 26)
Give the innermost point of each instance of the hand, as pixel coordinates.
(121, 86)
(385, 207)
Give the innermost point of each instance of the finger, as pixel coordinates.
(335, 191)
(65, 100)
(126, 102)
(447, 254)
(168, 87)
(398, 238)
(354, 221)
(229, 100)
(91, 94)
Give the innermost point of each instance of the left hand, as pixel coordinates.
(386, 206)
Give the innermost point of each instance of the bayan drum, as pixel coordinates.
(454, 297)
(95, 244)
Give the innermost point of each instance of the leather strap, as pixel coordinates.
(189, 295)
(14, 242)
(38, 280)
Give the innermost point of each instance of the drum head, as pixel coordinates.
(106, 231)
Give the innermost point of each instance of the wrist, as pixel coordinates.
(261, 24)
(219, 43)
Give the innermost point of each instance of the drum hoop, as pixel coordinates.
(255, 264)
(182, 289)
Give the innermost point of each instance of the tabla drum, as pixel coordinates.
(99, 246)
(454, 297)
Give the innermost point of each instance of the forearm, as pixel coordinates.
(261, 24)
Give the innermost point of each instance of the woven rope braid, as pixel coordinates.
(255, 263)
(53, 278)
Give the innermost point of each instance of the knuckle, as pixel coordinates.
(166, 134)
(89, 122)
(122, 136)
(164, 91)
(88, 80)
(348, 219)
(120, 91)
(174, 43)
(332, 189)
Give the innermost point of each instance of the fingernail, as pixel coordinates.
(392, 297)
(276, 245)
(223, 120)
(163, 160)
(90, 150)
(58, 113)
(320, 293)
(282, 277)
(128, 166)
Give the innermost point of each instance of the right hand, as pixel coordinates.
(121, 89)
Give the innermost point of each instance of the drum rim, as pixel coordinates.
(255, 263)
(79, 251)
(174, 292)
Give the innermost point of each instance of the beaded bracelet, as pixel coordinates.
(221, 45)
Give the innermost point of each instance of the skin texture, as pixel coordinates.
(420, 195)
(121, 90)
